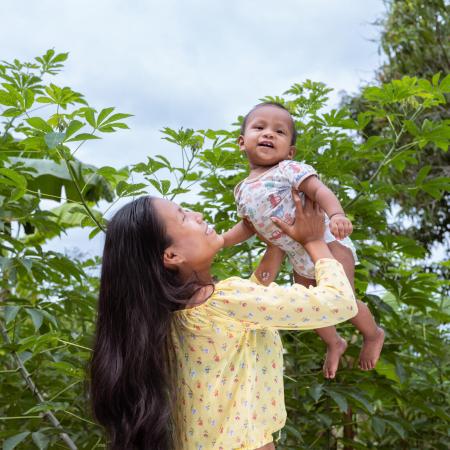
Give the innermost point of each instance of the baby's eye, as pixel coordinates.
(280, 131)
(258, 127)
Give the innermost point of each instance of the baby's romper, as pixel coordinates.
(269, 195)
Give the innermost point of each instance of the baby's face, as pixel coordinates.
(267, 137)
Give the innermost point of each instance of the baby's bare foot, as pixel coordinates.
(371, 349)
(334, 353)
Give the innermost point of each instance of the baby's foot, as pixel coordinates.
(334, 353)
(371, 349)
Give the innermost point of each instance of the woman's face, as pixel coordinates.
(194, 242)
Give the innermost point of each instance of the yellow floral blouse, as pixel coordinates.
(229, 356)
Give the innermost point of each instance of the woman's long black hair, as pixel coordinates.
(130, 372)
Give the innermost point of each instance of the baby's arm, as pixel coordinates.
(340, 225)
(239, 233)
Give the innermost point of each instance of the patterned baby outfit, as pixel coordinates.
(229, 356)
(269, 195)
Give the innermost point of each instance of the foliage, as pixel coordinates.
(414, 40)
(48, 299)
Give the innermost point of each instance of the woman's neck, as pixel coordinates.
(202, 276)
(205, 286)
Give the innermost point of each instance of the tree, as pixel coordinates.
(48, 299)
(415, 41)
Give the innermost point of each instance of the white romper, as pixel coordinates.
(269, 195)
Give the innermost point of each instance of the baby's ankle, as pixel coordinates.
(374, 334)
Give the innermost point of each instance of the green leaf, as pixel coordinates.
(28, 97)
(445, 85)
(165, 186)
(13, 441)
(295, 432)
(44, 100)
(89, 115)
(39, 124)
(11, 313)
(8, 99)
(363, 401)
(421, 175)
(94, 232)
(103, 114)
(60, 57)
(315, 391)
(397, 427)
(49, 317)
(340, 400)
(36, 316)
(83, 137)
(54, 139)
(73, 127)
(40, 439)
(11, 112)
(51, 177)
(16, 180)
(116, 117)
(379, 426)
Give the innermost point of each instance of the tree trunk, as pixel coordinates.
(349, 430)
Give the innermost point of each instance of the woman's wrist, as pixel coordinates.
(318, 249)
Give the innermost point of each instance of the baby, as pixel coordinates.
(268, 138)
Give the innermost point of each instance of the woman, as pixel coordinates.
(182, 363)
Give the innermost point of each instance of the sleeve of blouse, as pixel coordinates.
(297, 172)
(288, 307)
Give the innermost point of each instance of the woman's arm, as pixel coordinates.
(292, 307)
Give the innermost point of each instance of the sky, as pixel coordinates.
(190, 63)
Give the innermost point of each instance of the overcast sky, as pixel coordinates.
(191, 63)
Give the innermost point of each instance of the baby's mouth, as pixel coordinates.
(266, 144)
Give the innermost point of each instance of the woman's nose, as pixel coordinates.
(198, 217)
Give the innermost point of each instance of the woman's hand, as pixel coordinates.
(309, 222)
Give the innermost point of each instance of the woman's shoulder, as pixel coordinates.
(221, 290)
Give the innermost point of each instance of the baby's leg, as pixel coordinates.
(364, 322)
(335, 344)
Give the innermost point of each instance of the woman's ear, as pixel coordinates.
(171, 259)
(241, 142)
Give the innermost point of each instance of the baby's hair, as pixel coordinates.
(279, 105)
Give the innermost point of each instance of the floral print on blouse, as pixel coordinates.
(229, 356)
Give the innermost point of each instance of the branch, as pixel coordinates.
(30, 383)
(187, 170)
(80, 193)
(387, 157)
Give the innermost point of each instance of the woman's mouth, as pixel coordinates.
(209, 229)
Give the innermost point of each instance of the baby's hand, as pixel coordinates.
(340, 226)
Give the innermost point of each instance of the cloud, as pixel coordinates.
(196, 63)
